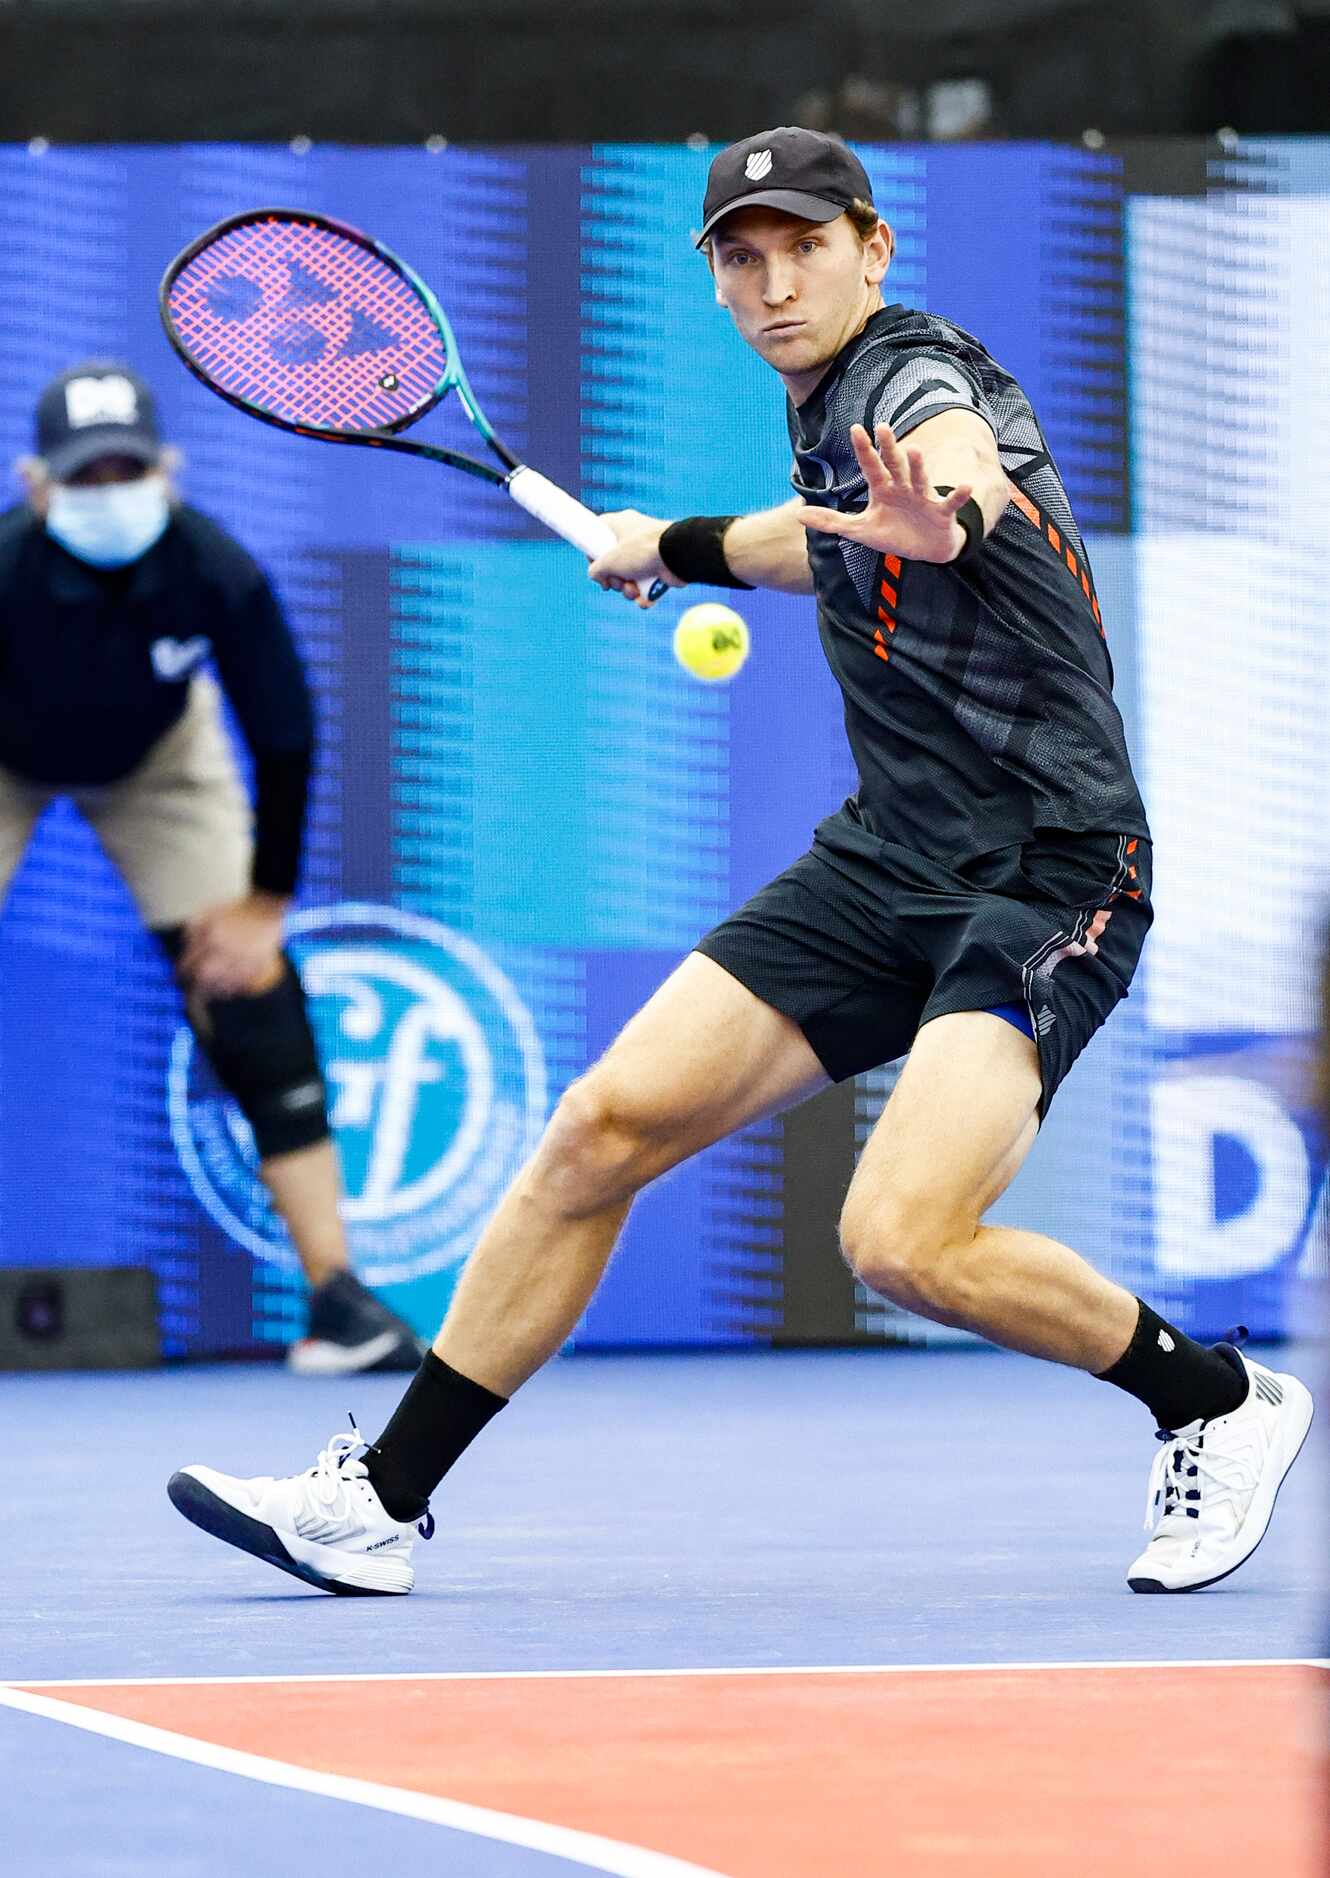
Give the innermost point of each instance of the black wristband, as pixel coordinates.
(971, 518)
(694, 550)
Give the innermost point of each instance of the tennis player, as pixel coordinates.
(114, 598)
(980, 903)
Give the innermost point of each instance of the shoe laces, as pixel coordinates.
(1185, 1474)
(336, 1465)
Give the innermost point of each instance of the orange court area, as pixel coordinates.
(1091, 1770)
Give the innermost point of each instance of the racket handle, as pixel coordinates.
(559, 511)
(566, 516)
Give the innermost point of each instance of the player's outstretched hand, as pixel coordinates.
(905, 515)
(634, 564)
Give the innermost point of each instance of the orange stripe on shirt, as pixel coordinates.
(1024, 504)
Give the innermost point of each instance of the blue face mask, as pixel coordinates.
(112, 524)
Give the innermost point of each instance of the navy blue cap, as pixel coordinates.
(100, 408)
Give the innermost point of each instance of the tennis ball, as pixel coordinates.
(711, 642)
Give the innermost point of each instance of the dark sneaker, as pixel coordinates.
(351, 1330)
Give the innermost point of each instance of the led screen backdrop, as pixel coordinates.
(526, 811)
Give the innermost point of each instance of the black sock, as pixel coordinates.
(1176, 1378)
(435, 1422)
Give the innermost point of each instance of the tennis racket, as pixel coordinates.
(307, 324)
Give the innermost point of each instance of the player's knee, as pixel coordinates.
(902, 1247)
(597, 1149)
(262, 1049)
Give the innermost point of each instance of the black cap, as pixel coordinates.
(805, 172)
(99, 408)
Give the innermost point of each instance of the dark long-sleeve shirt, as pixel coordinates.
(95, 667)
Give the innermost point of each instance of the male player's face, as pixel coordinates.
(797, 291)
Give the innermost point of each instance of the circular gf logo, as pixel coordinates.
(436, 1089)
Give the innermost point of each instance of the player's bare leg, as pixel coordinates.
(702, 1058)
(958, 1126)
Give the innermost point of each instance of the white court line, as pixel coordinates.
(634, 1675)
(588, 1849)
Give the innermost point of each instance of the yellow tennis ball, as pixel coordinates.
(711, 642)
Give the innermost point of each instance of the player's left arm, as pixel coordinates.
(234, 948)
(904, 514)
(959, 449)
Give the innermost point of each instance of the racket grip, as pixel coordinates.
(559, 511)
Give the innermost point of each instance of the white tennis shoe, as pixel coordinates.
(327, 1526)
(1213, 1484)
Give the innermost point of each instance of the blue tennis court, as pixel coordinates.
(635, 1527)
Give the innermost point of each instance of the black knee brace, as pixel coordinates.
(262, 1049)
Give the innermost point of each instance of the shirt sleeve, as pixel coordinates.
(924, 385)
(281, 799)
(264, 678)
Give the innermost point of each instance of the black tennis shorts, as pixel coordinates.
(861, 942)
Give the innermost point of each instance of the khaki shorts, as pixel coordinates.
(178, 828)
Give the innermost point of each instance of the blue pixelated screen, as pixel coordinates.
(526, 811)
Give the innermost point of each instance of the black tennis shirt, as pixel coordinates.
(978, 700)
(95, 666)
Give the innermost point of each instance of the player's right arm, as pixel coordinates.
(766, 549)
(770, 549)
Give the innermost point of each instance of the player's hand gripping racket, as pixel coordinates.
(310, 325)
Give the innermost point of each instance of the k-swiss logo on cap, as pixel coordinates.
(109, 400)
(758, 165)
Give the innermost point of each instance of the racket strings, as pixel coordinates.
(308, 326)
